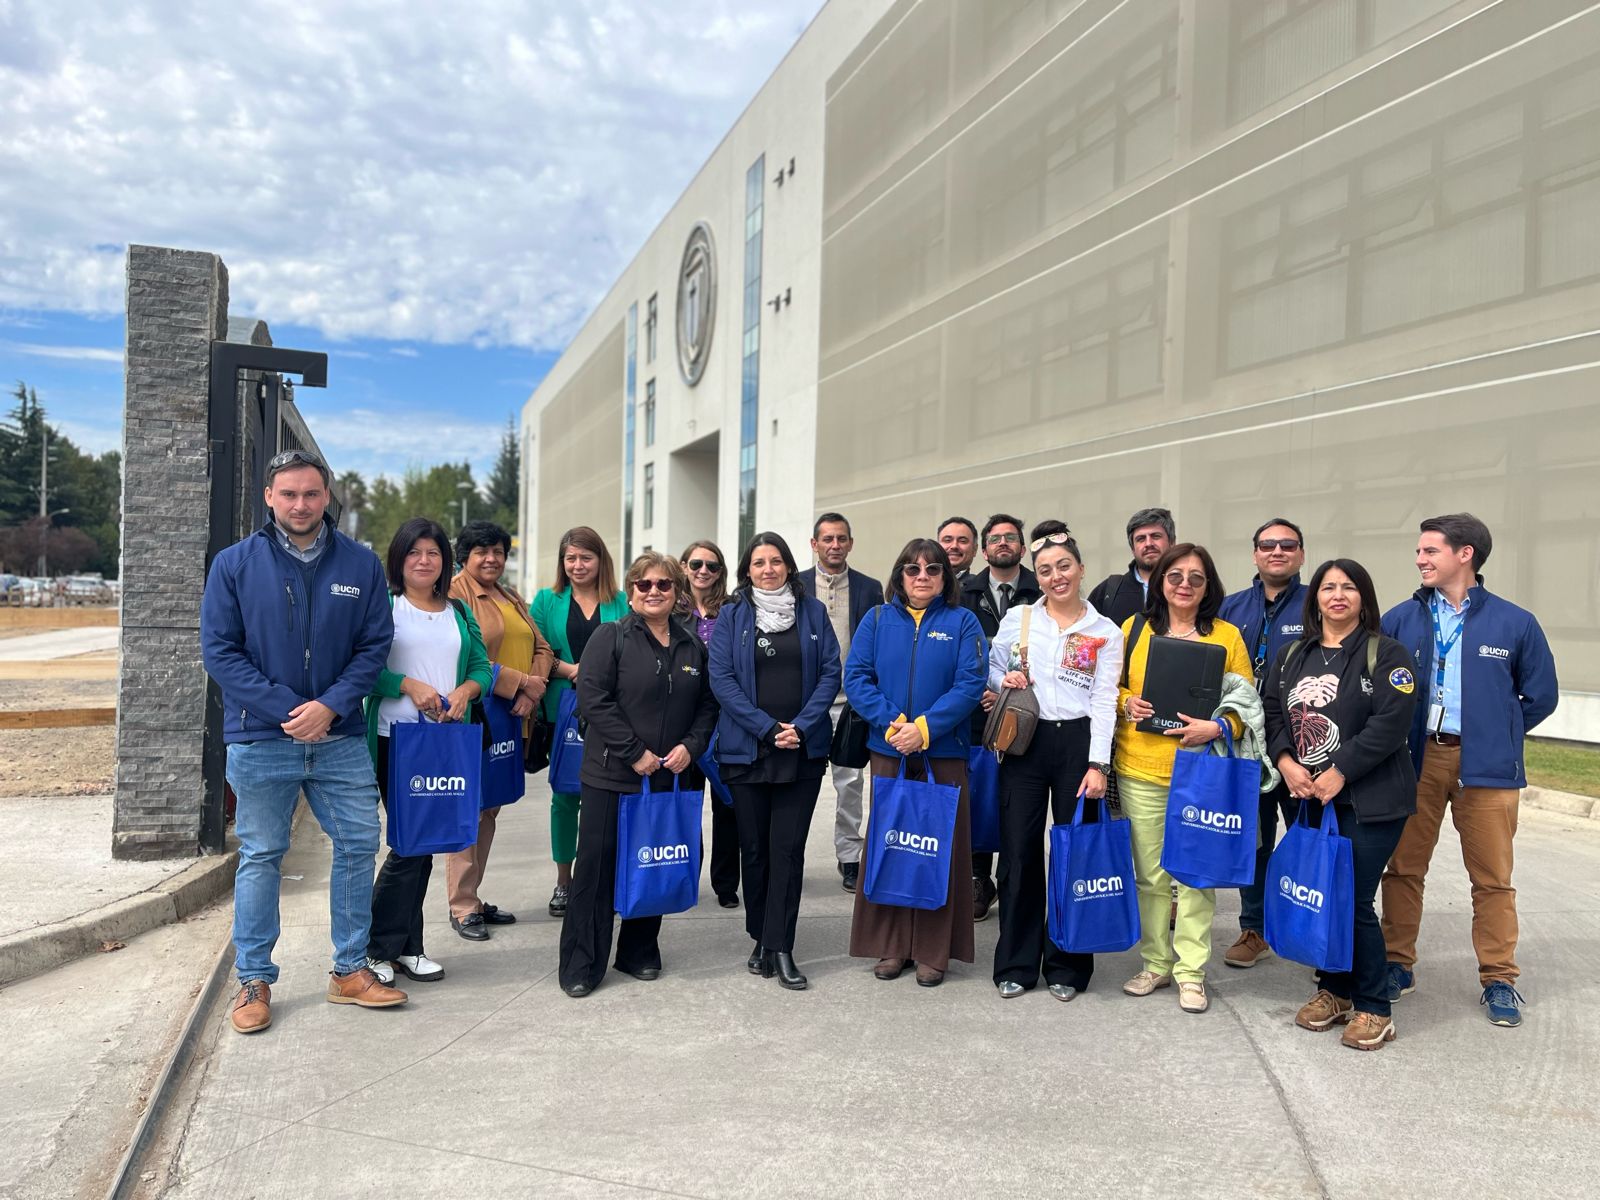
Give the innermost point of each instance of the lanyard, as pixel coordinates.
(1443, 648)
(1269, 614)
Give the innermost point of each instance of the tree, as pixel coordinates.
(505, 482)
(68, 550)
(353, 495)
(85, 491)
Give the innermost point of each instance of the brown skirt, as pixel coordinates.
(929, 937)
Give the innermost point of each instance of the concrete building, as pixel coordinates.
(1334, 259)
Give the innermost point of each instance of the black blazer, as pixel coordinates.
(1119, 597)
(866, 593)
(635, 695)
(1368, 718)
(975, 596)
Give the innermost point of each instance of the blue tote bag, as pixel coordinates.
(566, 746)
(983, 798)
(504, 780)
(435, 777)
(908, 841)
(1092, 903)
(1212, 815)
(1310, 912)
(707, 763)
(658, 852)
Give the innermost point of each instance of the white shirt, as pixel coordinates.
(1075, 670)
(426, 646)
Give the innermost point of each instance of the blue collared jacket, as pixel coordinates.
(1248, 611)
(741, 726)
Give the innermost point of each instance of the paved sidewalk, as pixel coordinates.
(713, 1083)
(57, 643)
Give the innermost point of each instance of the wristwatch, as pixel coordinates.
(1103, 768)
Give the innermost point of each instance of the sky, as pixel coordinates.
(435, 195)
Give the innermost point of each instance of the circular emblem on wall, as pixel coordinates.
(697, 303)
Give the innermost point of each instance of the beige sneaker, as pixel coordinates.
(1367, 1031)
(1323, 1011)
(1250, 949)
(1192, 997)
(1146, 982)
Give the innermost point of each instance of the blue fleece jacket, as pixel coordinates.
(1508, 682)
(1283, 621)
(272, 640)
(741, 726)
(934, 670)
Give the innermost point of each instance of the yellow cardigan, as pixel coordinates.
(1148, 756)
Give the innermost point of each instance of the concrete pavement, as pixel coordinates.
(57, 643)
(713, 1083)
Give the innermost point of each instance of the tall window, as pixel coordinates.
(630, 375)
(650, 330)
(650, 412)
(649, 495)
(750, 376)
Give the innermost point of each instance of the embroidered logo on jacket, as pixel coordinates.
(344, 589)
(1401, 680)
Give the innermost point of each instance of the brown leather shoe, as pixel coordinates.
(362, 987)
(1250, 949)
(889, 968)
(252, 1007)
(929, 976)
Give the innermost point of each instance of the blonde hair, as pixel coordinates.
(654, 560)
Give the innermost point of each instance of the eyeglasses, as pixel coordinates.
(1000, 539)
(644, 586)
(1194, 579)
(295, 458)
(1055, 539)
(701, 564)
(1278, 544)
(932, 570)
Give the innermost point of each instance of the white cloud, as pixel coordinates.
(96, 354)
(371, 442)
(403, 351)
(426, 173)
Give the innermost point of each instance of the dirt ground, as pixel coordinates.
(57, 762)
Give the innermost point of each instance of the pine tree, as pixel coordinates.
(505, 482)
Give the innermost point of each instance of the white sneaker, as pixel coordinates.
(420, 967)
(383, 970)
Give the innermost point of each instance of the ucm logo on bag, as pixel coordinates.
(1094, 889)
(501, 749)
(439, 783)
(661, 856)
(1209, 818)
(917, 843)
(1305, 897)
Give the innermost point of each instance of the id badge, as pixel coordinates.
(1436, 716)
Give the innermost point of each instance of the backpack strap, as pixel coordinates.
(1133, 640)
(1372, 656)
(1027, 614)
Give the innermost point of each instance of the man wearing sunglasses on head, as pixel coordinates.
(1270, 614)
(990, 594)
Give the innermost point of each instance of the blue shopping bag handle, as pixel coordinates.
(1227, 737)
(677, 784)
(1077, 811)
(1330, 819)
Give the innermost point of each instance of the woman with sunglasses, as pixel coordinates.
(705, 571)
(646, 697)
(916, 671)
(1185, 595)
(775, 672)
(1074, 656)
(583, 597)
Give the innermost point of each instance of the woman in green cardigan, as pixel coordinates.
(584, 596)
(437, 667)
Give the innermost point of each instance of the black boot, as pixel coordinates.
(757, 963)
(788, 974)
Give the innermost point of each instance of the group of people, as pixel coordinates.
(1389, 717)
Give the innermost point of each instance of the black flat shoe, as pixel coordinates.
(578, 990)
(728, 901)
(851, 873)
(647, 974)
(756, 963)
(788, 974)
(471, 927)
(497, 916)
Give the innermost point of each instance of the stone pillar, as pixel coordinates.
(177, 305)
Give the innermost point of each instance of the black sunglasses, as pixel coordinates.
(295, 458)
(702, 564)
(1278, 544)
(644, 586)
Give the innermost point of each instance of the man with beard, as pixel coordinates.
(990, 593)
(1150, 532)
(959, 537)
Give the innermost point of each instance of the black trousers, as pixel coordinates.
(586, 930)
(1371, 846)
(400, 890)
(725, 849)
(1045, 779)
(774, 819)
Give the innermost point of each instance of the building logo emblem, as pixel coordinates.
(697, 303)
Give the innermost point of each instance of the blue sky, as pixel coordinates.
(436, 200)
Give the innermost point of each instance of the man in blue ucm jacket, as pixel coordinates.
(1487, 677)
(1269, 614)
(294, 627)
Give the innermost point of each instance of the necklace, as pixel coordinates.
(1189, 633)
(1328, 661)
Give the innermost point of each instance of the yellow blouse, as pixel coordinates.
(1149, 756)
(516, 643)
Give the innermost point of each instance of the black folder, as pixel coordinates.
(1181, 676)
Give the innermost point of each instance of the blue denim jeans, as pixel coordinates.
(267, 777)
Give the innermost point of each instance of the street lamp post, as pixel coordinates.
(466, 490)
(44, 533)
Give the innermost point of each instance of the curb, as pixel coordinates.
(1566, 803)
(33, 951)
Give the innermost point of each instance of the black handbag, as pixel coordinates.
(536, 747)
(849, 745)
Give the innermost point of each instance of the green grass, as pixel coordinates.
(1563, 766)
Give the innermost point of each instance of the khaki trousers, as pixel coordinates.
(463, 870)
(1486, 820)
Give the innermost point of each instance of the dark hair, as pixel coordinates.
(1045, 529)
(480, 533)
(956, 521)
(830, 518)
(776, 541)
(719, 590)
(1152, 516)
(1155, 604)
(407, 536)
(1462, 529)
(585, 538)
(1371, 618)
(1285, 522)
(929, 551)
(293, 460)
(999, 519)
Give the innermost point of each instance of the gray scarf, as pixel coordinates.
(774, 610)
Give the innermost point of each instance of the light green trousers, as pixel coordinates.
(1182, 950)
